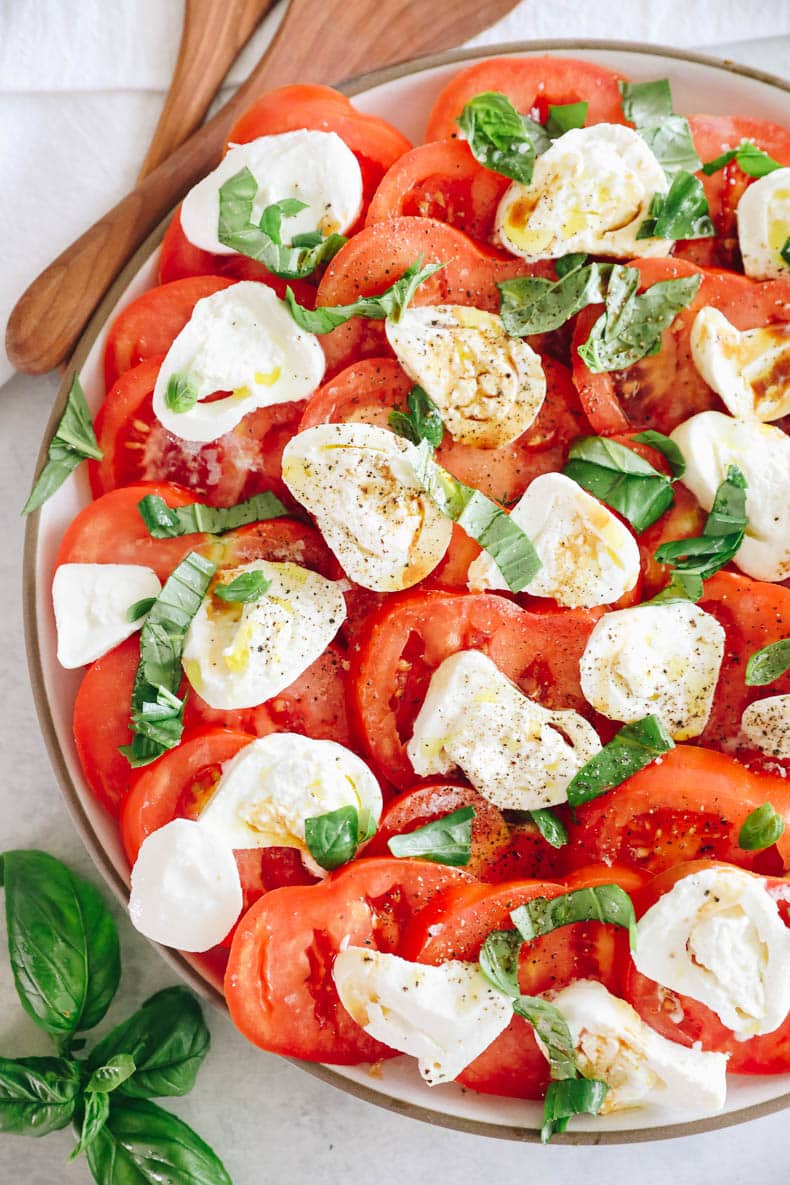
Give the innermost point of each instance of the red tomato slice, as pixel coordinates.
(441, 181)
(101, 724)
(687, 1021)
(137, 447)
(377, 256)
(689, 805)
(279, 984)
(149, 325)
(531, 84)
(412, 634)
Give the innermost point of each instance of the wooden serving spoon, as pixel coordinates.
(212, 36)
(316, 42)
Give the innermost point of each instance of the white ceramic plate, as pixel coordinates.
(403, 95)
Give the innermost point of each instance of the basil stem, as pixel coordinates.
(444, 841)
(73, 441)
(631, 749)
(169, 522)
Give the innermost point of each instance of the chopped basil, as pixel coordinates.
(631, 749)
(139, 609)
(181, 394)
(633, 323)
(529, 304)
(550, 827)
(168, 522)
(569, 263)
(761, 828)
(262, 241)
(498, 136)
(569, 1097)
(721, 536)
(423, 420)
(648, 105)
(552, 1029)
(785, 251)
(621, 478)
(390, 303)
(564, 117)
(681, 213)
(683, 586)
(603, 903)
(499, 960)
(768, 663)
(244, 589)
(156, 710)
(445, 841)
(73, 441)
(665, 445)
(749, 158)
(334, 838)
(510, 548)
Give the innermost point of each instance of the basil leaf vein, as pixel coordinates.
(631, 749)
(73, 442)
(444, 841)
(169, 522)
(390, 303)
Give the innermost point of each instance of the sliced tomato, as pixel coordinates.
(682, 1019)
(101, 724)
(689, 805)
(412, 634)
(664, 389)
(441, 181)
(380, 254)
(137, 447)
(526, 856)
(279, 984)
(149, 325)
(531, 84)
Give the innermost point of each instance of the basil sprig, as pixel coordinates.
(334, 838)
(169, 522)
(510, 548)
(156, 710)
(262, 241)
(74, 441)
(244, 589)
(530, 304)
(721, 537)
(503, 140)
(633, 323)
(64, 950)
(181, 394)
(761, 828)
(681, 213)
(422, 421)
(648, 105)
(749, 158)
(550, 827)
(390, 303)
(600, 903)
(444, 841)
(621, 478)
(631, 749)
(768, 663)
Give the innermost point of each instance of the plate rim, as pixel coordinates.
(69, 792)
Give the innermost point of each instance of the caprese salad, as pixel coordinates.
(435, 593)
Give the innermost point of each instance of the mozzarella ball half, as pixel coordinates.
(764, 225)
(749, 370)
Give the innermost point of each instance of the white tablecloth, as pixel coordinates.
(80, 89)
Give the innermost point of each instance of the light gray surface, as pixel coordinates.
(269, 1121)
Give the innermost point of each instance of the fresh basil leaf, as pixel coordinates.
(244, 589)
(168, 1040)
(107, 1078)
(140, 1144)
(683, 586)
(785, 251)
(445, 841)
(73, 441)
(665, 445)
(633, 323)
(182, 393)
(761, 828)
(95, 1112)
(603, 903)
(631, 749)
(550, 827)
(749, 158)
(62, 942)
(499, 960)
(156, 716)
(390, 304)
(618, 476)
(237, 229)
(169, 522)
(333, 839)
(681, 213)
(563, 117)
(423, 421)
(139, 609)
(568, 1097)
(530, 305)
(498, 136)
(510, 548)
(722, 534)
(552, 1030)
(38, 1095)
(648, 105)
(569, 263)
(768, 663)
(646, 102)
